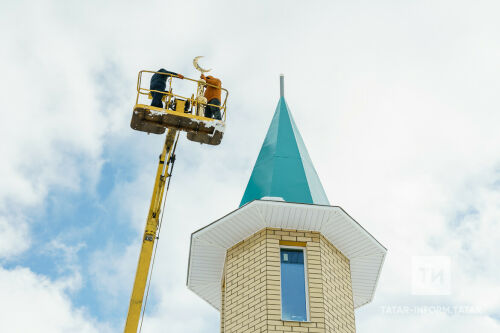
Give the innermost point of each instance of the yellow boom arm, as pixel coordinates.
(150, 233)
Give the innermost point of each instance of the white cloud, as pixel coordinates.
(33, 303)
(14, 237)
(112, 274)
(51, 126)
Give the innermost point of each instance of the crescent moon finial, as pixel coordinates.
(198, 67)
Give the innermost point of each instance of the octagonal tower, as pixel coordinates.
(285, 260)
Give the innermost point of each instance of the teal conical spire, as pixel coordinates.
(284, 168)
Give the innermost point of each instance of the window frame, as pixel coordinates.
(306, 282)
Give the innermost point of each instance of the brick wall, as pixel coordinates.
(252, 296)
(245, 301)
(336, 281)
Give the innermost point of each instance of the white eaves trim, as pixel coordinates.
(209, 244)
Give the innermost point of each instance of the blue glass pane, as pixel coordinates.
(293, 286)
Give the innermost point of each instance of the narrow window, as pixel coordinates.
(293, 285)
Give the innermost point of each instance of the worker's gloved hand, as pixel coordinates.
(180, 76)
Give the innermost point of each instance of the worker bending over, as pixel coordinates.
(159, 82)
(212, 94)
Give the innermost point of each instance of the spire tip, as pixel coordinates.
(282, 85)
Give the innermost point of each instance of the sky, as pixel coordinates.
(397, 103)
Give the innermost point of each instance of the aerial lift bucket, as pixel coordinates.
(155, 120)
(180, 113)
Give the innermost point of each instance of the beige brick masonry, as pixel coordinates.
(251, 294)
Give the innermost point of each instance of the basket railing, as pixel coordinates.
(196, 105)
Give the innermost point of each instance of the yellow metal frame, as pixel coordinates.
(169, 95)
(150, 234)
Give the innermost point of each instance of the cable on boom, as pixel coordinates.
(171, 161)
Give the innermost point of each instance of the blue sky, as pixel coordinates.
(397, 103)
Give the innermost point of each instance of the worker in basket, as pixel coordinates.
(159, 82)
(212, 95)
